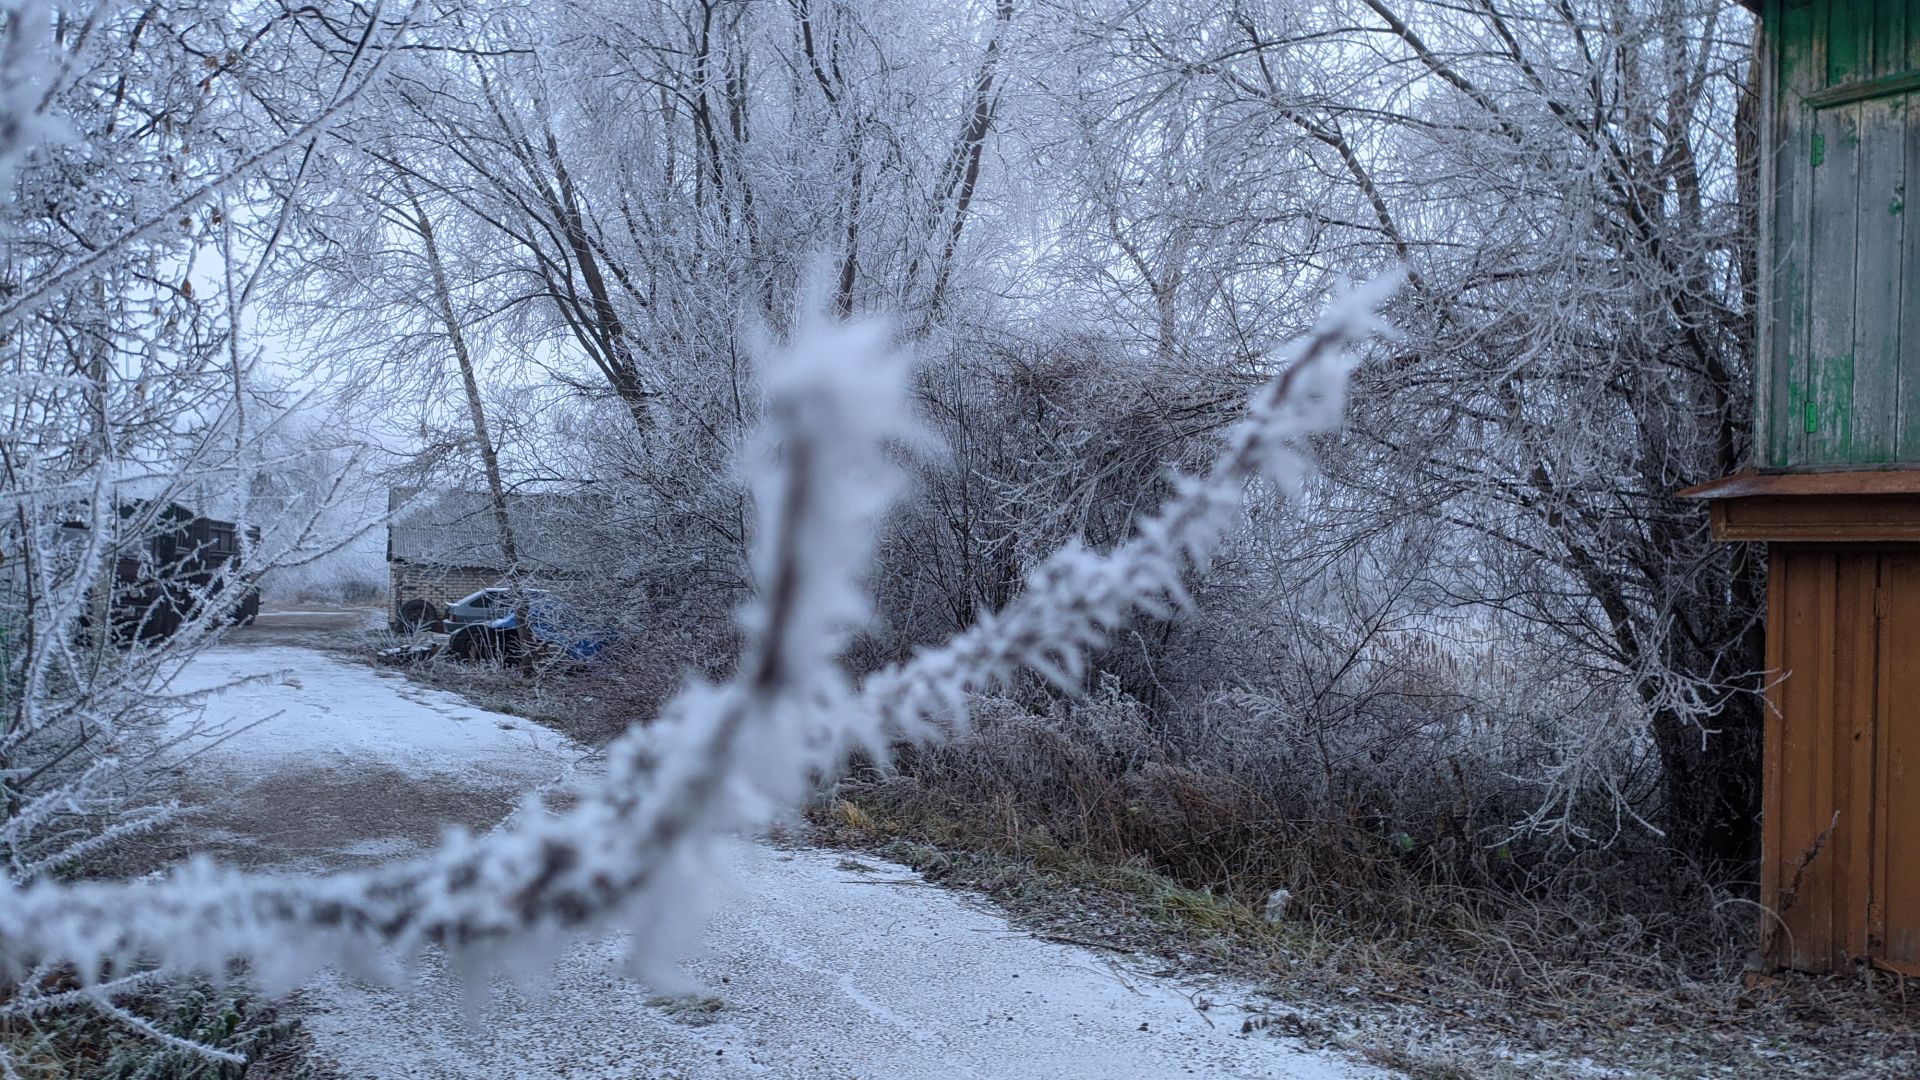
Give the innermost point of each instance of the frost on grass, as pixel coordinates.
(633, 852)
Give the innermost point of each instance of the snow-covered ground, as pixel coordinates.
(812, 970)
(323, 712)
(813, 965)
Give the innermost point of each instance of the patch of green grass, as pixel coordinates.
(1202, 909)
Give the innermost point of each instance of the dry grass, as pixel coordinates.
(591, 703)
(1408, 936)
(1411, 937)
(81, 1042)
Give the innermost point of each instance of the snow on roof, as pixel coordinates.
(458, 529)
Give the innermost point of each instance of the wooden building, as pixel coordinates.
(1835, 487)
(444, 545)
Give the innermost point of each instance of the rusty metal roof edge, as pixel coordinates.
(1750, 483)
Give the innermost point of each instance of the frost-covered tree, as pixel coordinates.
(1565, 183)
(727, 757)
(1097, 220)
(141, 148)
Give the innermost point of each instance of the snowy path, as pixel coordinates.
(812, 966)
(321, 711)
(350, 765)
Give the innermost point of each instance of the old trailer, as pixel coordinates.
(178, 564)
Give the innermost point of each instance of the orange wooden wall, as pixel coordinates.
(1841, 868)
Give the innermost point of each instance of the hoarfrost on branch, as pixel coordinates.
(721, 758)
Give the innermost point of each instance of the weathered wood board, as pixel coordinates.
(1841, 870)
(1838, 378)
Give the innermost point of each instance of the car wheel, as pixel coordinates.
(417, 615)
(477, 643)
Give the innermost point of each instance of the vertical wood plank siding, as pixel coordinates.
(1874, 369)
(1782, 368)
(1841, 870)
(1831, 255)
(1837, 399)
(1894, 919)
(1907, 379)
(1836, 386)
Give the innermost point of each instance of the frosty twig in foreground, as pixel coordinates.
(724, 758)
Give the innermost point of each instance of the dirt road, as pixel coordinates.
(814, 965)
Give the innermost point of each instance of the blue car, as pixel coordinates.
(551, 625)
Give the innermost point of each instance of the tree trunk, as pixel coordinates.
(476, 412)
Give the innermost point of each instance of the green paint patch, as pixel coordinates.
(1832, 396)
(1819, 149)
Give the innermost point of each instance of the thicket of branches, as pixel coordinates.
(1095, 220)
(539, 245)
(138, 145)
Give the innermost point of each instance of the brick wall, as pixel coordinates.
(439, 585)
